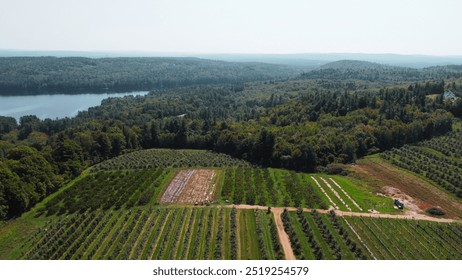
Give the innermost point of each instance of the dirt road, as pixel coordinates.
(283, 237)
(413, 216)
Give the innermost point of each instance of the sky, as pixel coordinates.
(430, 27)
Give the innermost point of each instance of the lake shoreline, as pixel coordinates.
(55, 106)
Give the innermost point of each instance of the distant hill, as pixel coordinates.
(311, 60)
(357, 65)
(301, 60)
(36, 75)
(375, 72)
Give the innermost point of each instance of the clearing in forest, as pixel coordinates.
(191, 186)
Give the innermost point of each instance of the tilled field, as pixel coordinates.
(193, 186)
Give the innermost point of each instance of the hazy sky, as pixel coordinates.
(234, 26)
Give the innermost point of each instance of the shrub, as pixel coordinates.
(435, 211)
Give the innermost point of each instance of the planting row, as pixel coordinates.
(163, 158)
(408, 239)
(272, 187)
(443, 170)
(108, 189)
(157, 233)
(316, 236)
(320, 236)
(450, 145)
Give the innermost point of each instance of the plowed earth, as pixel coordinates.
(193, 186)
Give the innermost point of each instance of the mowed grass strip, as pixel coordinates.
(226, 251)
(165, 235)
(169, 243)
(179, 238)
(328, 191)
(122, 235)
(306, 251)
(155, 233)
(88, 243)
(140, 240)
(247, 235)
(266, 233)
(210, 237)
(361, 189)
(201, 236)
(195, 234)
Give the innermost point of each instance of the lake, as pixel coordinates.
(54, 105)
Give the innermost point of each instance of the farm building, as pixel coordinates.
(449, 95)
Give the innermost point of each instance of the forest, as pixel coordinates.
(302, 124)
(44, 75)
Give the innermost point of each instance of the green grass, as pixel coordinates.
(358, 189)
(329, 192)
(307, 252)
(364, 195)
(248, 240)
(345, 251)
(264, 222)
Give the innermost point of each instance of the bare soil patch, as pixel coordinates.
(192, 186)
(418, 194)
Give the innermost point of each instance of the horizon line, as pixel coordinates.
(227, 53)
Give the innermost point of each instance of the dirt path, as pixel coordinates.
(283, 237)
(413, 216)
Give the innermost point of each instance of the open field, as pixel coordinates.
(347, 193)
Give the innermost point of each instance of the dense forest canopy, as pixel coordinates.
(300, 124)
(375, 72)
(36, 75)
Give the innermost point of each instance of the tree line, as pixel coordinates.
(39, 75)
(297, 125)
